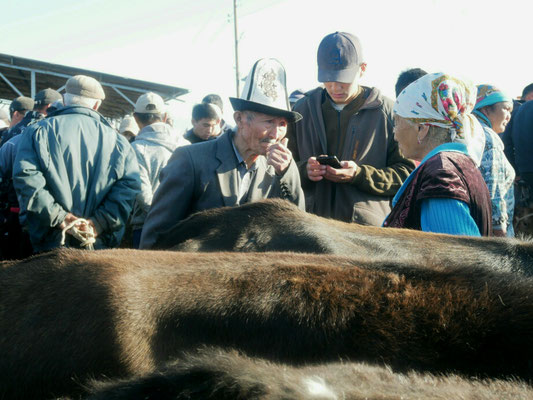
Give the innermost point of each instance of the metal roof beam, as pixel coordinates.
(10, 84)
(124, 96)
(40, 71)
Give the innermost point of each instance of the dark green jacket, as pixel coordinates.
(369, 142)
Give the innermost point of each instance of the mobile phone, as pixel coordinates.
(332, 161)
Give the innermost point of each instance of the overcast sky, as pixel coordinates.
(190, 44)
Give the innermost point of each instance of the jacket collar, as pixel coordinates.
(227, 170)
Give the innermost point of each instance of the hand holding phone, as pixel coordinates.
(332, 161)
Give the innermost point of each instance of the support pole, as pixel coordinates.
(237, 80)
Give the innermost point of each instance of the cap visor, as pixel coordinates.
(343, 75)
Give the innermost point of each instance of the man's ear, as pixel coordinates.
(237, 116)
(97, 105)
(362, 69)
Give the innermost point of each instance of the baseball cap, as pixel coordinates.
(85, 86)
(129, 124)
(22, 103)
(47, 96)
(339, 57)
(150, 103)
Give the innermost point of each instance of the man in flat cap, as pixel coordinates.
(74, 165)
(353, 123)
(245, 165)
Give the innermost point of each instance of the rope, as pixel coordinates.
(85, 237)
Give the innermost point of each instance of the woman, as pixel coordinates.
(493, 110)
(446, 192)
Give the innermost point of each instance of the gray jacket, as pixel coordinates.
(369, 142)
(153, 146)
(205, 175)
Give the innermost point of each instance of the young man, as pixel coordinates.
(205, 121)
(249, 164)
(353, 123)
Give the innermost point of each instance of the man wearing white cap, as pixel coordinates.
(246, 165)
(153, 145)
(353, 123)
(74, 165)
(128, 128)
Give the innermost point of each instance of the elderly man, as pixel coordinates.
(248, 164)
(75, 165)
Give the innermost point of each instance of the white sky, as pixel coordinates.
(190, 43)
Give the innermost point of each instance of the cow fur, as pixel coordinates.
(70, 315)
(278, 225)
(216, 374)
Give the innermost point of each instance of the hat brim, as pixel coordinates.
(341, 75)
(247, 105)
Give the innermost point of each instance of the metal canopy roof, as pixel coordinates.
(26, 77)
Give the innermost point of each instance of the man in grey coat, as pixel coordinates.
(245, 165)
(153, 146)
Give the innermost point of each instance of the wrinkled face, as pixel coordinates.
(499, 115)
(259, 131)
(206, 128)
(405, 133)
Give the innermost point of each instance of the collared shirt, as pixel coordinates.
(245, 174)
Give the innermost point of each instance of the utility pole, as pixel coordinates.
(236, 48)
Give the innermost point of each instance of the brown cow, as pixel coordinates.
(70, 315)
(216, 374)
(277, 225)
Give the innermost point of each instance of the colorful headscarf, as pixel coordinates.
(488, 95)
(444, 101)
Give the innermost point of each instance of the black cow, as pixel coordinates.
(215, 374)
(278, 225)
(71, 315)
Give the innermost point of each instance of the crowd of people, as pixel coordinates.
(446, 156)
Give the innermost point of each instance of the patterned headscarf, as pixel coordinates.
(444, 101)
(488, 95)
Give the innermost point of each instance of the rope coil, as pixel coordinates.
(86, 237)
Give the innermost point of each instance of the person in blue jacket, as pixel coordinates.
(73, 165)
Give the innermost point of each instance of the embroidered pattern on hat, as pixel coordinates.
(268, 84)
